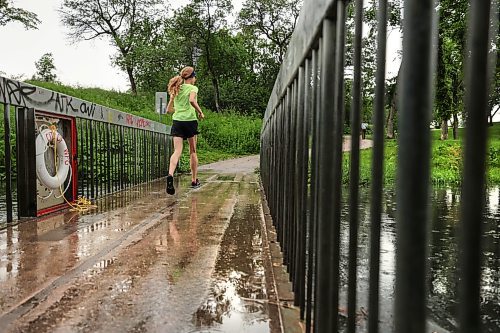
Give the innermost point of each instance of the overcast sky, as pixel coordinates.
(85, 63)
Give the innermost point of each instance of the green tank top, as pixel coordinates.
(184, 111)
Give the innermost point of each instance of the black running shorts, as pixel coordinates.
(184, 129)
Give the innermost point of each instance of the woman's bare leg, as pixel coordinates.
(174, 159)
(193, 158)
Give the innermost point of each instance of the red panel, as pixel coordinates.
(74, 163)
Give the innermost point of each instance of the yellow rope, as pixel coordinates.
(82, 204)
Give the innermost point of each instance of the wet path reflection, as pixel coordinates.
(238, 299)
(442, 260)
(145, 263)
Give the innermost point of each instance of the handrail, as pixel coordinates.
(23, 94)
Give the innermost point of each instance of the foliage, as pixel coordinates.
(271, 20)
(8, 13)
(44, 68)
(446, 160)
(223, 135)
(118, 20)
(12, 142)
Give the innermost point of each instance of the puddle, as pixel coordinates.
(238, 298)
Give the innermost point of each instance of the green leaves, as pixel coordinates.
(44, 68)
(12, 14)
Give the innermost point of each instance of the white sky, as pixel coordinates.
(86, 63)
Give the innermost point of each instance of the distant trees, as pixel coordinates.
(45, 68)
(237, 62)
(8, 13)
(120, 21)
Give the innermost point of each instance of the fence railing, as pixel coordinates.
(111, 150)
(301, 164)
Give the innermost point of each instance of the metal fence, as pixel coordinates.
(114, 150)
(301, 163)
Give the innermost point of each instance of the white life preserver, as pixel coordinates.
(42, 140)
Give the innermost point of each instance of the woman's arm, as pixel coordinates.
(194, 103)
(170, 106)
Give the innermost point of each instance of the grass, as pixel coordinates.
(223, 135)
(446, 162)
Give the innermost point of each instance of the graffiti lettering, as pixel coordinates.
(130, 120)
(14, 93)
(63, 103)
(21, 94)
(89, 110)
(142, 123)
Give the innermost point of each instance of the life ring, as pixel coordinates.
(42, 140)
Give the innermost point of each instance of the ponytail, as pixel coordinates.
(174, 85)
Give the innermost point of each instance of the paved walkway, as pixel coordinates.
(145, 262)
(148, 262)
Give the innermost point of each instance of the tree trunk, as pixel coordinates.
(131, 78)
(455, 127)
(389, 125)
(215, 81)
(444, 129)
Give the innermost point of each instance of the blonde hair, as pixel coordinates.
(174, 85)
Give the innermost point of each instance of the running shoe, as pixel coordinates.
(170, 185)
(195, 184)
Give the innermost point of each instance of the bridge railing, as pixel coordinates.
(110, 150)
(301, 163)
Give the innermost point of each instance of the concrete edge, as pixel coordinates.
(281, 297)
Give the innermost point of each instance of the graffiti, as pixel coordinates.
(63, 103)
(21, 94)
(13, 92)
(142, 123)
(88, 109)
(130, 120)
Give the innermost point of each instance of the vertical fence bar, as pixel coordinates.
(121, 157)
(412, 215)
(8, 162)
(136, 156)
(92, 159)
(377, 170)
(108, 156)
(116, 155)
(311, 246)
(292, 162)
(144, 157)
(324, 320)
(102, 153)
(338, 129)
(303, 158)
(293, 201)
(472, 203)
(354, 171)
(88, 160)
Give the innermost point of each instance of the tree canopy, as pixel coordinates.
(8, 14)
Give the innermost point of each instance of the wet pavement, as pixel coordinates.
(143, 262)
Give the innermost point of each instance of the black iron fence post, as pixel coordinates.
(472, 203)
(8, 162)
(414, 167)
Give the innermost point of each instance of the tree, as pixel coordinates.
(273, 20)
(369, 58)
(449, 80)
(200, 21)
(118, 20)
(494, 98)
(44, 68)
(11, 14)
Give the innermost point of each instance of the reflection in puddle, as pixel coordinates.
(238, 297)
(443, 252)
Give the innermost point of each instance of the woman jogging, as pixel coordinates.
(184, 106)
